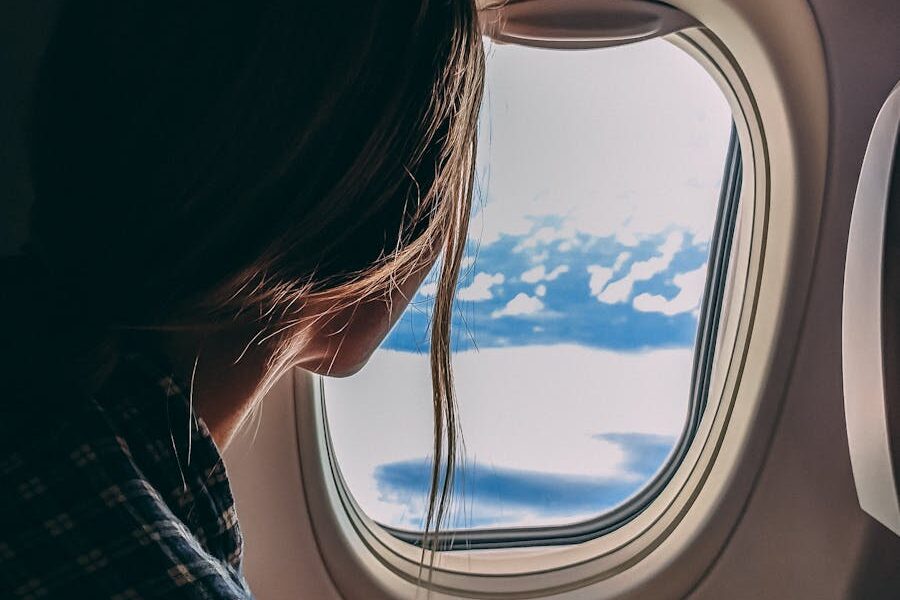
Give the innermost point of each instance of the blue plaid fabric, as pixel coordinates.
(122, 495)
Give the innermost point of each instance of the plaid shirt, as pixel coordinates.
(122, 495)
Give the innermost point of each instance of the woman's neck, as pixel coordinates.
(223, 372)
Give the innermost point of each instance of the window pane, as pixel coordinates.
(599, 177)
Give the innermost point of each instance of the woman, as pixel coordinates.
(223, 191)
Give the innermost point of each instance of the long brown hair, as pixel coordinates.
(200, 162)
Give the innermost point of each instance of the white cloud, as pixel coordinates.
(540, 290)
(521, 305)
(428, 290)
(487, 229)
(480, 289)
(539, 273)
(671, 245)
(620, 289)
(600, 276)
(617, 291)
(552, 275)
(690, 290)
(620, 260)
(667, 251)
(544, 235)
(534, 274)
(548, 235)
(627, 237)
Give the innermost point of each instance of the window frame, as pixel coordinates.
(719, 261)
(709, 488)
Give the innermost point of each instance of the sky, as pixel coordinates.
(598, 179)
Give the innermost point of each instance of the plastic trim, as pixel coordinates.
(866, 394)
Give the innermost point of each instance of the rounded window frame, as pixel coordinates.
(391, 567)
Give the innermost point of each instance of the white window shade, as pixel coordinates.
(871, 324)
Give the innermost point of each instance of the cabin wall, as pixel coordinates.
(803, 534)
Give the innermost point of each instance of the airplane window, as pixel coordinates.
(581, 310)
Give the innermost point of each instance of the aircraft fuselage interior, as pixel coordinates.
(674, 332)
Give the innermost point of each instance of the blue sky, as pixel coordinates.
(598, 178)
(561, 282)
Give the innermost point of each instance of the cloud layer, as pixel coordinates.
(543, 410)
(502, 496)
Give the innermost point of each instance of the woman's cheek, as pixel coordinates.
(349, 338)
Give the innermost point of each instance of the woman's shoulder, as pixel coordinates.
(121, 493)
